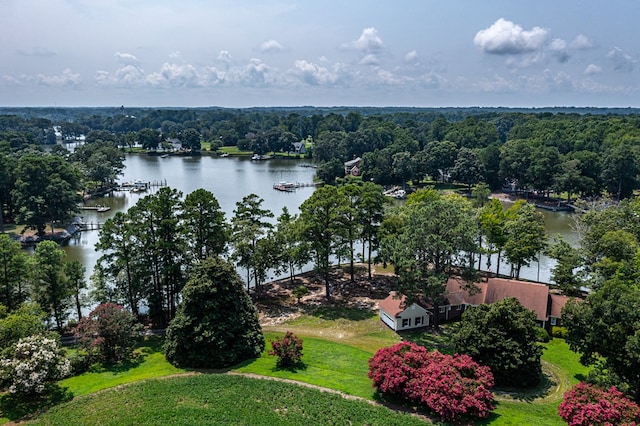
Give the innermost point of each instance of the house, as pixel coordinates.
(398, 316)
(536, 297)
(299, 148)
(352, 167)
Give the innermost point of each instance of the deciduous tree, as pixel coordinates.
(502, 336)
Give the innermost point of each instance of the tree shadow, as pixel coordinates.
(20, 407)
(341, 311)
(291, 368)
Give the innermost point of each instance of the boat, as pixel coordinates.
(224, 154)
(285, 186)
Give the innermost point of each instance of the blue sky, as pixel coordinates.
(322, 53)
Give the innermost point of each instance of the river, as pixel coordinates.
(232, 178)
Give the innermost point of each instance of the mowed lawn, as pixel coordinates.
(337, 346)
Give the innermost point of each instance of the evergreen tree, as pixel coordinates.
(216, 324)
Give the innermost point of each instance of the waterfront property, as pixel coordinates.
(547, 306)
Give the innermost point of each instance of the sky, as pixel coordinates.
(244, 53)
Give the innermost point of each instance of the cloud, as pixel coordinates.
(66, 79)
(558, 49)
(411, 57)
(255, 73)
(127, 59)
(592, 69)
(175, 75)
(175, 54)
(369, 59)
(224, 56)
(506, 38)
(316, 75)
(621, 61)
(581, 42)
(271, 46)
(368, 42)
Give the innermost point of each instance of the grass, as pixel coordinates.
(152, 364)
(338, 342)
(324, 363)
(219, 399)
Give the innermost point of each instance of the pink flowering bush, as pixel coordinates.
(35, 361)
(109, 333)
(288, 349)
(587, 405)
(450, 386)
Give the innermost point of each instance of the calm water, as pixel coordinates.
(230, 179)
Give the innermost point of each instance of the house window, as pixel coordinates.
(419, 320)
(406, 322)
(442, 309)
(458, 307)
(553, 320)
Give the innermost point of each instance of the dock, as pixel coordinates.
(139, 185)
(291, 186)
(99, 209)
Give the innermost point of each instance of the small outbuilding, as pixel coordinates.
(398, 316)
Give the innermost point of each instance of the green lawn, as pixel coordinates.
(219, 399)
(337, 345)
(325, 363)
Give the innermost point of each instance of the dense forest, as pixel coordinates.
(586, 152)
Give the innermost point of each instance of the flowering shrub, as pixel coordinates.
(449, 386)
(288, 349)
(36, 361)
(586, 405)
(108, 333)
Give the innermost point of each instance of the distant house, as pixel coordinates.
(176, 144)
(533, 296)
(299, 148)
(352, 167)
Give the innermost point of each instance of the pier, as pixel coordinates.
(140, 185)
(291, 186)
(99, 209)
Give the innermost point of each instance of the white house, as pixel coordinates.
(398, 316)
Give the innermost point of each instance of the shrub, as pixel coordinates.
(450, 386)
(542, 335)
(586, 405)
(36, 361)
(300, 291)
(216, 324)
(559, 332)
(288, 349)
(109, 333)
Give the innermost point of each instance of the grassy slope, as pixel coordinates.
(337, 345)
(219, 399)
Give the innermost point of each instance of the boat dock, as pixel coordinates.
(139, 185)
(99, 209)
(291, 186)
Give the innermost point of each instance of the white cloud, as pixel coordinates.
(224, 56)
(271, 46)
(255, 73)
(369, 59)
(175, 54)
(581, 42)
(506, 38)
(368, 42)
(558, 49)
(411, 57)
(127, 59)
(316, 75)
(621, 61)
(66, 79)
(175, 75)
(592, 69)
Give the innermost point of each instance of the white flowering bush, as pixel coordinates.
(36, 361)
